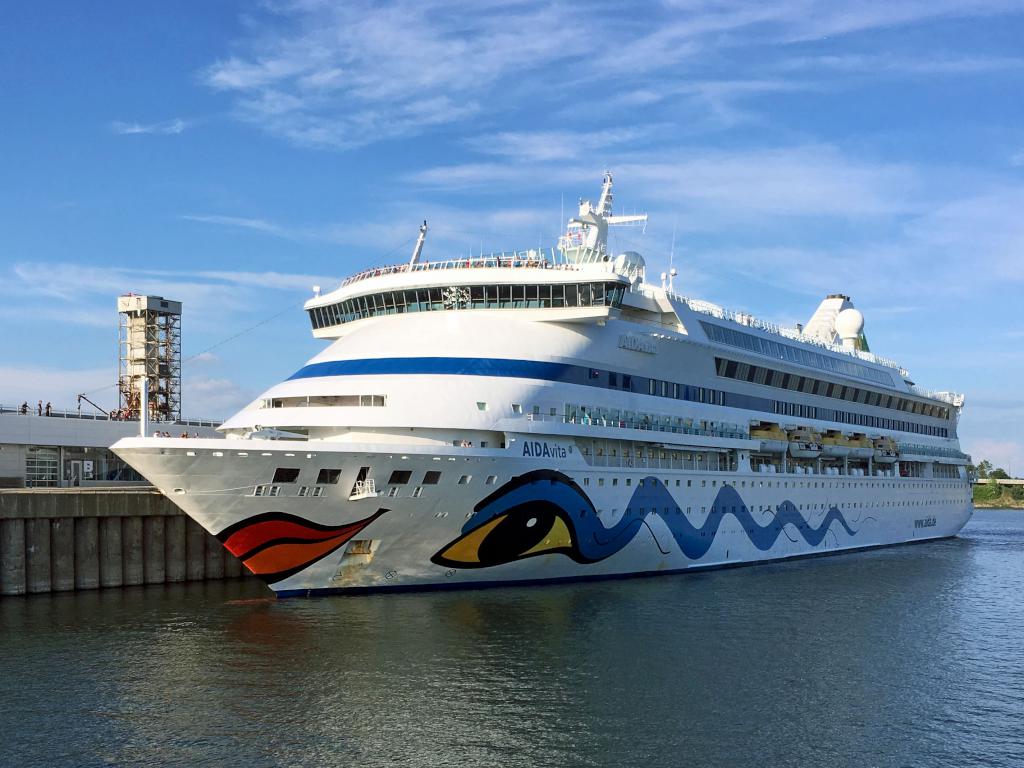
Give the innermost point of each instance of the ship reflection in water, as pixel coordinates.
(906, 656)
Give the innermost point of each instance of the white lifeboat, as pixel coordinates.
(804, 443)
(835, 444)
(773, 437)
(885, 450)
(861, 446)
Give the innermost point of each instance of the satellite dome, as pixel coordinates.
(630, 258)
(849, 324)
(630, 263)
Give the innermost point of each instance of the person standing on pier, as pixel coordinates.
(39, 408)
(49, 408)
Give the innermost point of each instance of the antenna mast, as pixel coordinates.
(671, 259)
(418, 249)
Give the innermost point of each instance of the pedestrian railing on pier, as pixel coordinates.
(60, 413)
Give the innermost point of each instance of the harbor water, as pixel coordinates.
(907, 656)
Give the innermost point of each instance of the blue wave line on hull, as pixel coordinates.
(695, 542)
(596, 542)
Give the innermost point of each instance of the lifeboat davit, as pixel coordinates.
(861, 447)
(885, 450)
(773, 437)
(804, 443)
(835, 444)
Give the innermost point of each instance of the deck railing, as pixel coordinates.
(916, 449)
(60, 413)
(750, 321)
(646, 426)
(537, 258)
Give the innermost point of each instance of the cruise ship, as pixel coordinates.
(542, 416)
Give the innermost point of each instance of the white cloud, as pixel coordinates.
(213, 299)
(986, 226)
(348, 74)
(540, 146)
(165, 128)
(203, 396)
(235, 221)
(338, 76)
(880, 64)
(58, 386)
(211, 397)
(809, 180)
(1007, 454)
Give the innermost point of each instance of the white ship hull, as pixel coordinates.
(517, 418)
(629, 529)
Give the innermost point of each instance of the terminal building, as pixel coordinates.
(54, 448)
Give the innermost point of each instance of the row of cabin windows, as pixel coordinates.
(291, 474)
(398, 477)
(469, 297)
(694, 394)
(430, 477)
(314, 401)
(769, 377)
(284, 475)
(794, 354)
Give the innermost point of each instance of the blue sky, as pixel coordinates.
(233, 155)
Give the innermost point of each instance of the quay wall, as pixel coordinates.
(60, 540)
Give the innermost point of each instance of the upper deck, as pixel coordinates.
(510, 260)
(581, 281)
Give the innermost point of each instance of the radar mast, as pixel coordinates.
(586, 235)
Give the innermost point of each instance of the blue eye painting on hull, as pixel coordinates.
(545, 512)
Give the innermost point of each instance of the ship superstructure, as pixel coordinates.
(547, 415)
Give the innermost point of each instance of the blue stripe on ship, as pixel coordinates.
(457, 366)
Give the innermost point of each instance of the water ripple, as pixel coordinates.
(905, 656)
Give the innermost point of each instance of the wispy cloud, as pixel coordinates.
(533, 146)
(260, 225)
(343, 75)
(353, 73)
(165, 128)
(805, 180)
(88, 292)
(32, 383)
(885, 64)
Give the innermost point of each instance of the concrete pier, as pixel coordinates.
(58, 540)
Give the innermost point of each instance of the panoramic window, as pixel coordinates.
(399, 477)
(328, 476)
(285, 475)
(468, 297)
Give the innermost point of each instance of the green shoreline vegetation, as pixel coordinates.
(989, 494)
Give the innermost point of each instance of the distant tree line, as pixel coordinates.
(986, 471)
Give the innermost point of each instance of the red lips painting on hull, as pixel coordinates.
(276, 545)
